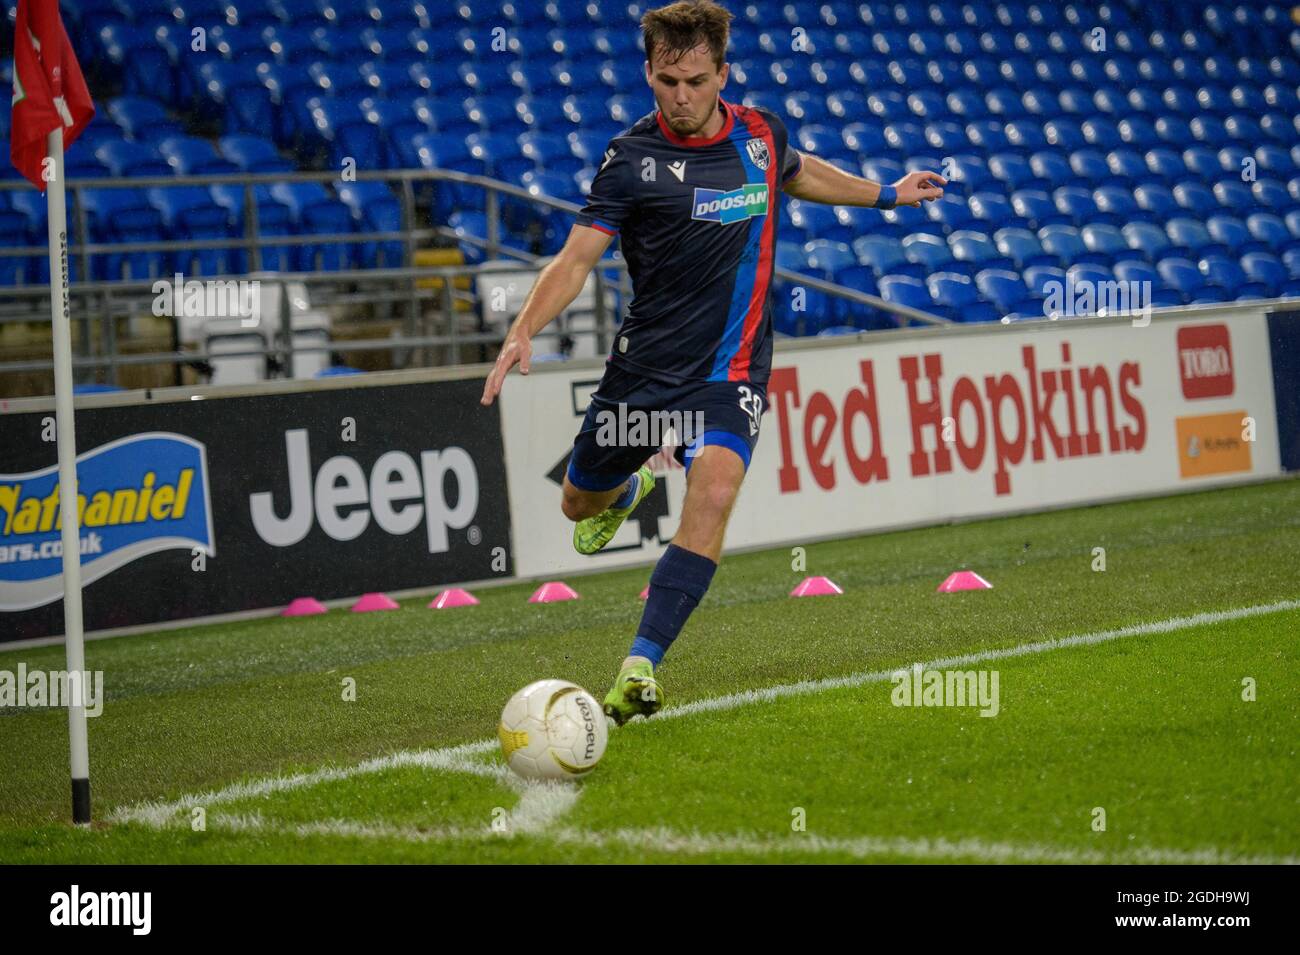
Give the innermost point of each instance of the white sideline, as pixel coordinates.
(542, 805)
(673, 842)
(771, 693)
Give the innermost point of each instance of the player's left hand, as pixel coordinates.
(920, 186)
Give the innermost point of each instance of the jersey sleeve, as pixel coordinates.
(791, 163)
(791, 158)
(611, 198)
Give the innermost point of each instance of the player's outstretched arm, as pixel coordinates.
(556, 287)
(819, 181)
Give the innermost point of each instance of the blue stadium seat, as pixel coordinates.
(951, 212)
(1271, 194)
(1131, 270)
(1090, 166)
(316, 212)
(1115, 205)
(881, 253)
(191, 214)
(1039, 280)
(1269, 230)
(906, 290)
(991, 208)
(1050, 167)
(1180, 274)
(1076, 204)
(930, 252)
(1063, 242)
(969, 172)
(1265, 269)
(1036, 208)
(1022, 247)
(1188, 236)
(1229, 232)
(1202, 161)
(125, 215)
(146, 68)
(375, 209)
(1006, 291)
(143, 119)
(829, 257)
(1156, 200)
(987, 135)
(1275, 161)
(957, 296)
(1146, 238)
(191, 156)
(1222, 271)
(815, 221)
(132, 159)
(1012, 170)
(1104, 242)
(253, 154)
(974, 251)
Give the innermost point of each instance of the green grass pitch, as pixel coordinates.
(780, 740)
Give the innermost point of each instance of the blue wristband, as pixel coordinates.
(888, 197)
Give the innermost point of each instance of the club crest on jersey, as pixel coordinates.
(714, 205)
(758, 153)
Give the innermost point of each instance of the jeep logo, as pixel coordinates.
(398, 494)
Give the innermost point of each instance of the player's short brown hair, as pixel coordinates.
(680, 27)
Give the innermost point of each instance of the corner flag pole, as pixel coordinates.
(50, 108)
(68, 508)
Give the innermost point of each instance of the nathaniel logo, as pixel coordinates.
(1205, 361)
(678, 169)
(609, 154)
(758, 153)
(137, 495)
(713, 205)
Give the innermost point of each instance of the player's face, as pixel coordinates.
(687, 91)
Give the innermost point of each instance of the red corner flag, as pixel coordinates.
(49, 90)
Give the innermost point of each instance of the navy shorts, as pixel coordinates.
(629, 416)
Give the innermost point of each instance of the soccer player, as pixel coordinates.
(692, 188)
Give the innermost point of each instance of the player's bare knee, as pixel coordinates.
(715, 498)
(573, 506)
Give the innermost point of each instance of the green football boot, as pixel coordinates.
(635, 691)
(593, 533)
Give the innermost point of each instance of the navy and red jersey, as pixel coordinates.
(698, 220)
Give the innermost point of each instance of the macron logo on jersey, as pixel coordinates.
(714, 205)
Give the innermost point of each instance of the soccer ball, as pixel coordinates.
(552, 729)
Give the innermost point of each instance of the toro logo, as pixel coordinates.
(1205, 361)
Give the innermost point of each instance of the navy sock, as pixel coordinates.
(629, 495)
(679, 582)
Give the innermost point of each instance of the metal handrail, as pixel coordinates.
(117, 296)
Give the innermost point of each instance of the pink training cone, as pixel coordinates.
(816, 587)
(303, 607)
(369, 602)
(553, 591)
(453, 597)
(964, 580)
